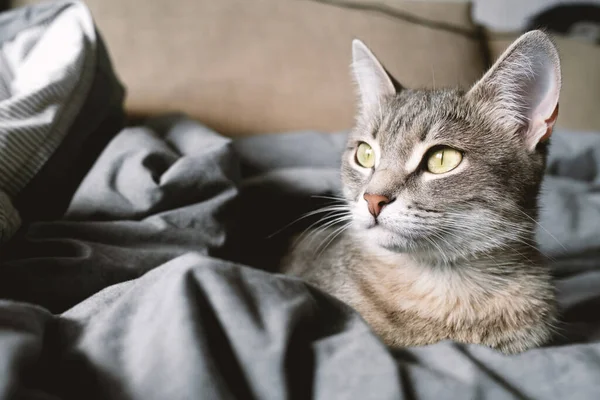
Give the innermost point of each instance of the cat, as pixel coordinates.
(440, 187)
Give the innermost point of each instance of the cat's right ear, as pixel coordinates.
(372, 80)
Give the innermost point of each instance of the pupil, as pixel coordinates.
(440, 157)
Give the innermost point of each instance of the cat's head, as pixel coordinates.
(448, 170)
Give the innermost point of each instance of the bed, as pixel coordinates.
(148, 272)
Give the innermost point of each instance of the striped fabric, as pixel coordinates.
(47, 64)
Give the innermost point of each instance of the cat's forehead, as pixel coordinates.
(414, 121)
(421, 115)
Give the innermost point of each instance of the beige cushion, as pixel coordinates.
(580, 94)
(256, 66)
(448, 12)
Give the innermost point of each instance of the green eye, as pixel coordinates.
(443, 160)
(365, 156)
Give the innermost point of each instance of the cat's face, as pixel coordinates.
(446, 171)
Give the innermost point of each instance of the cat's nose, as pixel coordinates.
(376, 202)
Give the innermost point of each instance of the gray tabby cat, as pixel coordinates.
(441, 189)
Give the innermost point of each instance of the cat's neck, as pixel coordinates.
(428, 285)
(484, 266)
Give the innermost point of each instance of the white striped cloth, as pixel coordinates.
(47, 64)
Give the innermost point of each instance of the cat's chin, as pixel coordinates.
(384, 238)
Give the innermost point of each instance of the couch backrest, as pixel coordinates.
(246, 67)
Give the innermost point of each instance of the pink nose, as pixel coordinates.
(376, 203)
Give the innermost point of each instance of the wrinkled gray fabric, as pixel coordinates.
(44, 80)
(60, 103)
(135, 295)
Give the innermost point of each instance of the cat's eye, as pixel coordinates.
(365, 156)
(443, 160)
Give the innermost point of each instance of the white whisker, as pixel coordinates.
(313, 233)
(333, 235)
(310, 214)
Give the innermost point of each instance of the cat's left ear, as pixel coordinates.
(520, 91)
(374, 83)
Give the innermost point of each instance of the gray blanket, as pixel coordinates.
(157, 284)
